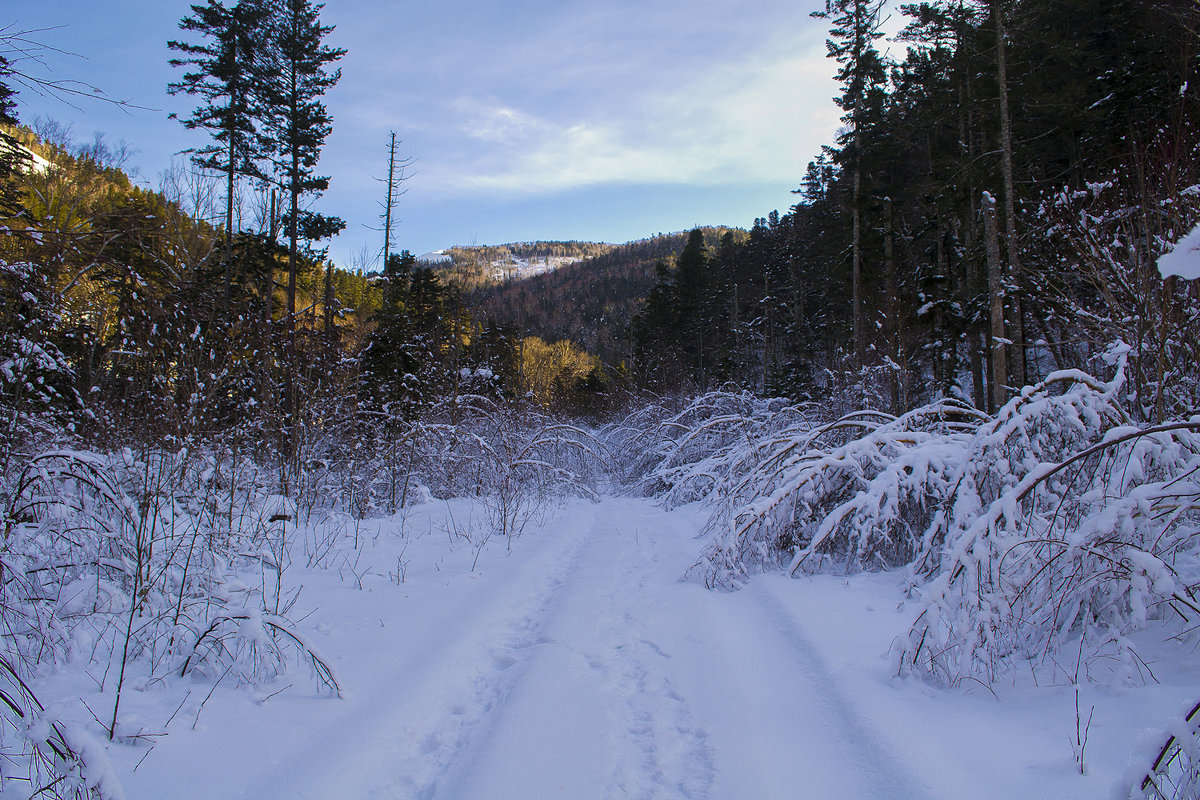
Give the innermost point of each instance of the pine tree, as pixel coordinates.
(494, 353)
(654, 342)
(11, 157)
(8, 97)
(692, 296)
(388, 360)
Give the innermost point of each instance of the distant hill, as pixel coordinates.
(590, 302)
(476, 267)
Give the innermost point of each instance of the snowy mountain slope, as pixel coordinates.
(434, 257)
(580, 665)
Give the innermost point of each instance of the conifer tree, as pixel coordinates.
(8, 97)
(691, 294)
(296, 121)
(388, 361)
(855, 27)
(296, 124)
(225, 74)
(494, 351)
(10, 156)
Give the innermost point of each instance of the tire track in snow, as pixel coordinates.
(779, 722)
(676, 760)
(594, 713)
(584, 669)
(402, 740)
(879, 770)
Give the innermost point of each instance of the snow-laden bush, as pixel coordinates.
(58, 760)
(636, 442)
(134, 559)
(255, 644)
(1100, 240)
(515, 460)
(1066, 524)
(856, 493)
(1172, 771)
(682, 452)
(1057, 521)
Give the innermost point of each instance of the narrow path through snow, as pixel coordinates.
(637, 685)
(580, 666)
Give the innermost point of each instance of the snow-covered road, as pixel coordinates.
(581, 666)
(642, 686)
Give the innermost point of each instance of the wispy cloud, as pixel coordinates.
(758, 120)
(499, 125)
(507, 107)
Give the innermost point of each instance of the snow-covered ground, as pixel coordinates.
(578, 664)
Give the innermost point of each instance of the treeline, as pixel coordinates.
(425, 345)
(117, 322)
(116, 308)
(991, 210)
(527, 250)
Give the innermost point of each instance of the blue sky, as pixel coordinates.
(604, 121)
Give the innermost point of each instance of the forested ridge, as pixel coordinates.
(479, 267)
(954, 357)
(942, 221)
(591, 302)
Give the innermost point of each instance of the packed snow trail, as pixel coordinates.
(600, 674)
(596, 712)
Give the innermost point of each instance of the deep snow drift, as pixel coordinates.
(578, 664)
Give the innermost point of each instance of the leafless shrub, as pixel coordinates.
(60, 762)
(514, 460)
(256, 644)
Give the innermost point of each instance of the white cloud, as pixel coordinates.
(759, 120)
(499, 124)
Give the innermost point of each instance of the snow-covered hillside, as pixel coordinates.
(435, 257)
(517, 268)
(510, 267)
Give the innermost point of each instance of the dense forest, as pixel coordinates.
(990, 212)
(926, 255)
(955, 354)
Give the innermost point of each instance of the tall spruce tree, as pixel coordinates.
(11, 156)
(691, 295)
(388, 360)
(224, 72)
(855, 28)
(296, 124)
(8, 97)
